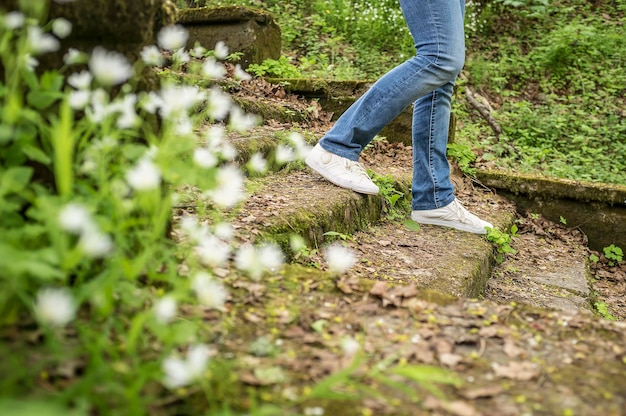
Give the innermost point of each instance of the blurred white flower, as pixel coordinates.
(165, 309)
(29, 62)
(224, 231)
(204, 158)
(178, 100)
(55, 306)
(145, 176)
(80, 80)
(229, 189)
(212, 252)
(74, 218)
(339, 258)
(219, 104)
(302, 148)
(181, 56)
(271, 257)
(40, 42)
(182, 372)
(172, 37)
(78, 99)
(211, 292)
(213, 69)
(61, 27)
(151, 55)
(95, 243)
(257, 163)
(255, 261)
(198, 51)
(221, 50)
(99, 108)
(228, 151)
(108, 67)
(74, 56)
(314, 411)
(284, 154)
(350, 346)
(240, 74)
(126, 107)
(151, 102)
(241, 121)
(214, 136)
(13, 20)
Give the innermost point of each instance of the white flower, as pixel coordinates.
(172, 37)
(214, 136)
(144, 176)
(301, 146)
(271, 257)
(152, 102)
(183, 126)
(221, 50)
(314, 411)
(257, 163)
(108, 67)
(61, 27)
(213, 69)
(13, 20)
(284, 154)
(211, 293)
(55, 306)
(40, 42)
(165, 309)
(182, 372)
(74, 218)
(204, 158)
(255, 261)
(79, 99)
(240, 74)
(240, 121)
(212, 251)
(228, 151)
(349, 346)
(30, 62)
(219, 104)
(151, 55)
(229, 188)
(128, 117)
(100, 108)
(181, 56)
(198, 51)
(339, 258)
(73, 56)
(176, 100)
(224, 231)
(80, 80)
(94, 243)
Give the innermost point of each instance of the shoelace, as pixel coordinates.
(460, 211)
(355, 167)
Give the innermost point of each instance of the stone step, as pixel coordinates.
(297, 201)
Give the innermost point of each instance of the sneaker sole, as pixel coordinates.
(446, 224)
(320, 169)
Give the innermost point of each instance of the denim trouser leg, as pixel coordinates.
(437, 28)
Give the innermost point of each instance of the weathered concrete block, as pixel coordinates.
(252, 32)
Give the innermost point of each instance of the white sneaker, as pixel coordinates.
(453, 215)
(340, 171)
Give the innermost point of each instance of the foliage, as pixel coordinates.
(278, 68)
(613, 253)
(394, 207)
(501, 241)
(603, 309)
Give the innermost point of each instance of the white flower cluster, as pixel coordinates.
(55, 306)
(76, 219)
(180, 372)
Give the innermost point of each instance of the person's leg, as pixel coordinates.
(437, 28)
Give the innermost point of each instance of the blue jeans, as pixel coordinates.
(427, 81)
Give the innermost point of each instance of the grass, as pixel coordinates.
(552, 70)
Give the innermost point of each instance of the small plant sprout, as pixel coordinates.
(614, 254)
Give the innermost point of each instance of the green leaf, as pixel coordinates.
(33, 407)
(7, 134)
(412, 225)
(426, 374)
(15, 179)
(36, 154)
(43, 99)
